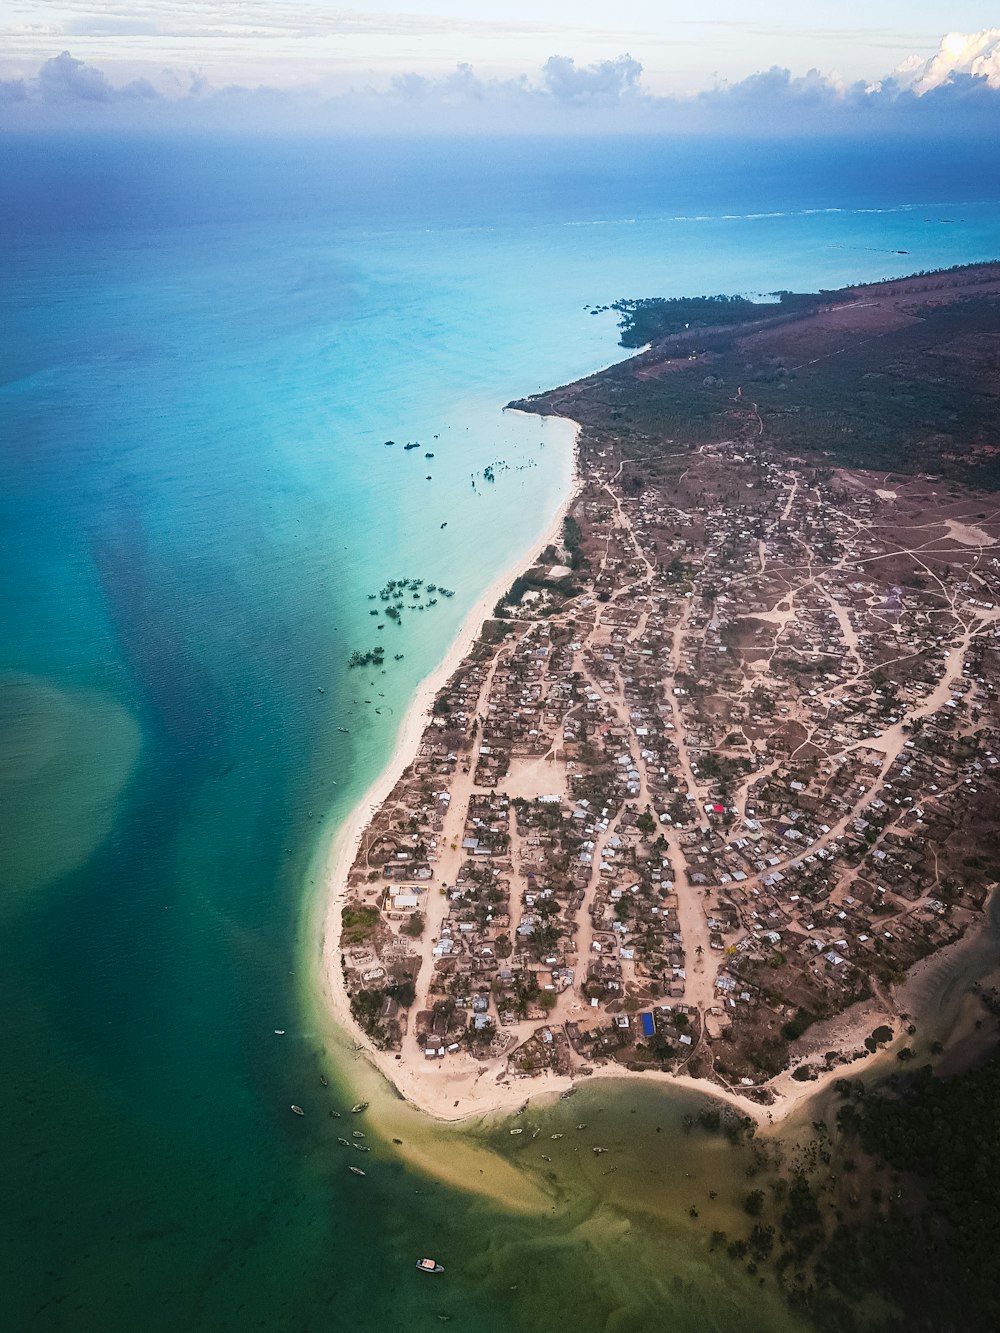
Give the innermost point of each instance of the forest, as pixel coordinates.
(650, 318)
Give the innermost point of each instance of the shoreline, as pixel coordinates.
(464, 1091)
(342, 848)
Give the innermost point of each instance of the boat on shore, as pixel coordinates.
(429, 1266)
(361, 1106)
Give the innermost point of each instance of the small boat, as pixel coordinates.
(345, 1142)
(557, 1136)
(597, 1151)
(361, 1147)
(517, 1131)
(297, 1110)
(279, 1032)
(429, 1266)
(357, 1134)
(356, 1170)
(361, 1106)
(323, 1080)
(334, 1115)
(343, 729)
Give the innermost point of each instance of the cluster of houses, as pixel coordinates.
(729, 783)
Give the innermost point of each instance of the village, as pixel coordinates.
(723, 764)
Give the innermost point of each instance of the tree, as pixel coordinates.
(753, 1203)
(413, 926)
(645, 823)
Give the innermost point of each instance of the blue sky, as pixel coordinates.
(636, 63)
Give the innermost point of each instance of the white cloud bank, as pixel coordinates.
(957, 90)
(976, 54)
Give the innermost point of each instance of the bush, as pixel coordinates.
(413, 926)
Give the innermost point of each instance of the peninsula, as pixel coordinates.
(722, 765)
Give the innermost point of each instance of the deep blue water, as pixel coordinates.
(203, 347)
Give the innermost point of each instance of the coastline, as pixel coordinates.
(343, 846)
(460, 1093)
(464, 1090)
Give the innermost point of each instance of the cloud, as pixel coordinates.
(976, 54)
(13, 90)
(65, 80)
(956, 91)
(606, 82)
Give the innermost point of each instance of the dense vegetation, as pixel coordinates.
(911, 394)
(937, 1263)
(916, 1249)
(647, 320)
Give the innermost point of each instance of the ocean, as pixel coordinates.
(204, 348)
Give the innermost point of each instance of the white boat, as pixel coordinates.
(298, 1110)
(356, 1170)
(429, 1266)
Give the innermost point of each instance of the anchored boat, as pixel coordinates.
(429, 1266)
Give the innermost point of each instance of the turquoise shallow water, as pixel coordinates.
(203, 349)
